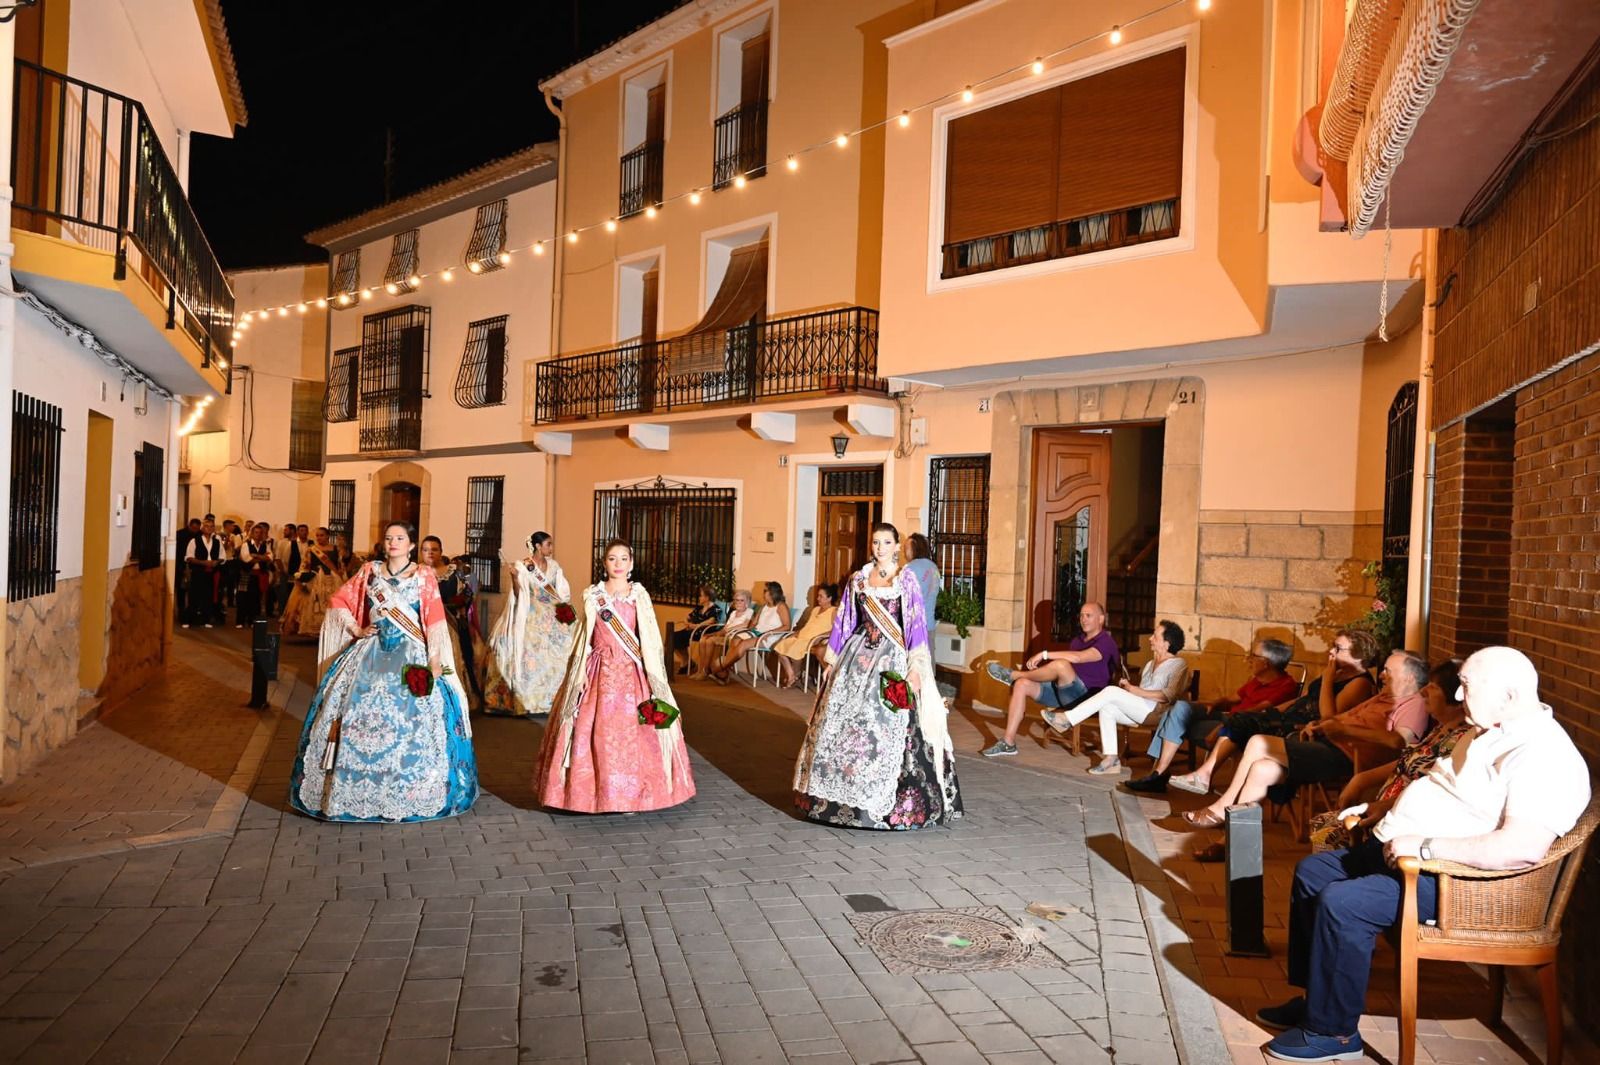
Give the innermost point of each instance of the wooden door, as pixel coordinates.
(753, 69)
(405, 503)
(1071, 500)
(655, 114)
(649, 296)
(843, 540)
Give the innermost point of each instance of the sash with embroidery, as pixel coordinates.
(385, 605)
(542, 583)
(625, 636)
(884, 619)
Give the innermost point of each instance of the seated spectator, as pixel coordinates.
(705, 650)
(1346, 681)
(1268, 685)
(1328, 748)
(1372, 792)
(1513, 786)
(1061, 680)
(1163, 678)
(773, 619)
(702, 616)
(816, 621)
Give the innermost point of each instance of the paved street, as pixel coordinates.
(159, 904)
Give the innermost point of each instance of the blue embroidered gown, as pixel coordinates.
(397, 757)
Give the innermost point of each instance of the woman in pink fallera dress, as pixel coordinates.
(598, 756)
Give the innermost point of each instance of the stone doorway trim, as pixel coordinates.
(1178, 402)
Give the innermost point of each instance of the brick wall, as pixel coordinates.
(1292, 575)
(1471, 538)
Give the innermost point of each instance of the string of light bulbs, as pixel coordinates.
(693, 196)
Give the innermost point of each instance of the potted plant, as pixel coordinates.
(961, 608)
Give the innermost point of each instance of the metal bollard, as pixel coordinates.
(263, 661)
(1245, 883)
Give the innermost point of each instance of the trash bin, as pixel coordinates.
(264, 639)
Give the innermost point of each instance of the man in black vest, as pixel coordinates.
(289, 556)
(204, 561)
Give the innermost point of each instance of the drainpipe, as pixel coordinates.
(558, 268)
(1419, 591)
(8, 330)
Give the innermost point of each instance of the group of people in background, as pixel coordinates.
(388, 734)
(243, 566)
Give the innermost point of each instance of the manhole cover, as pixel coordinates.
(963, 940)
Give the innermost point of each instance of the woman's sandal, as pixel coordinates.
(1188, 783)
(1204, 818)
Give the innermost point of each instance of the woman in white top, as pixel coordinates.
(533, 636)
(703, 652)
(773, 622)
(1164, 679)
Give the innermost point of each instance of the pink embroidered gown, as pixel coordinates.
(616, 764)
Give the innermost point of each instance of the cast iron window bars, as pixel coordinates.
(394, 379)
(958, 521)
(486, 498)
(682, 536)
(481, 381)
(149, 465)
(402, 263)
(346, 289)
(35, 496)
(342, 511)
(339, 403)
(488, 238)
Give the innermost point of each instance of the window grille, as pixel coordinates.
(342, 511)
(305, 426)
(481, 381)
(344, 385)
(402, 263)
(149, 470)
(35, 496)
(853, 481)
(488, 238)
(958, 521)
(486, 499)
(346, 288)
(682, 537)
(394, 379)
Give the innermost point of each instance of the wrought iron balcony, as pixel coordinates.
(641, 179)
(86, 166)
(741, 144)
(829, 351)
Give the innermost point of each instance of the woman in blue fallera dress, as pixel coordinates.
(372, 749)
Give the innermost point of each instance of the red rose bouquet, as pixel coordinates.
(419, 680)
(565, 614)
(658, 713)
(894, 692)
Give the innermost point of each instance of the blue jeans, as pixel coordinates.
(1340, 901)
(1183, 720)
(1060, 696)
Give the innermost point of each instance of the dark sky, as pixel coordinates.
(325, 81)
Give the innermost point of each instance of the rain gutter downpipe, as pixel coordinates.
(558, 269)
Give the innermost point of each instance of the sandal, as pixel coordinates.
(1188, 783)
(1204, 818)
(1107, 768)
(1211, 853)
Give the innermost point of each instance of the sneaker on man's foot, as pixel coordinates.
(1154, 784)
(999, 673)
(999, 749)
(1284, 1015)
(1297, 1044)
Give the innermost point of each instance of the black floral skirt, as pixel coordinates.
(919, 799)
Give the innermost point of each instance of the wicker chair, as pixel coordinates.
(1495, 918)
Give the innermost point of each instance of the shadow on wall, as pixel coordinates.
(138, 630)
(1355, 603)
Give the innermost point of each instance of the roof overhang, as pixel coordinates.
(648, 39)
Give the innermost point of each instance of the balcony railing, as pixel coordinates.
(86, 166)
(1063, 239)
(829, 351)
(641, 179)
(741, 144)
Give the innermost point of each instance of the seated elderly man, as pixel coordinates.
(1058, 680)
(1376, 731)
(1508, 790)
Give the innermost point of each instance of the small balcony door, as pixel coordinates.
(1071, 507)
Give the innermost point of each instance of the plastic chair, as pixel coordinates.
(811, 664)
(751, 659)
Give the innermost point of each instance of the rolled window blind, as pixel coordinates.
(1002, 168)
(1122, 137)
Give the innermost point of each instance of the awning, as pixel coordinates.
(741, 297)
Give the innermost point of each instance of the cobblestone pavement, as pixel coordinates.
(713, 932)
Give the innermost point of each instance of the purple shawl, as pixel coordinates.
(913, 617)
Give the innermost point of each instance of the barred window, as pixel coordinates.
(401, 276)
(488, 238)
(486, 505)
(342, 511)
(339, 402)
(682, 536)
(305, 426)
(346, 288)
(481, 381)
(958, 522)
(394, 379)
(35, 496)
(149, 470)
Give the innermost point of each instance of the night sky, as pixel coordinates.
(326, 82)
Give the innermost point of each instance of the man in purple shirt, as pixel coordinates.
(1058, 680)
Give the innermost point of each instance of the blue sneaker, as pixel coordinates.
(1290, 1014)
(1297, 1044)
(1000, 673)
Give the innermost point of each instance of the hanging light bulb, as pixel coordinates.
(1116, 35)
(905, 119)
(475, 266)
(344, 299)
(694, 197)
(392, 289)
(650, 211)
(842, 141)
(366, 293)
(322, 305)
(447, 275)
(572, 236)
(1038, 65)
(538, 249)
(792, 163)
(966, 95)
(1203, 5)
(738, 181)
(302, 308)
(611, 225)
(505, 258)
(283, 312)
